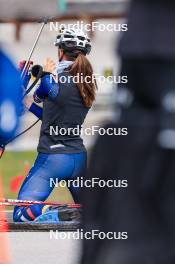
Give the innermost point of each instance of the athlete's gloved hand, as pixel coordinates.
(27, 75)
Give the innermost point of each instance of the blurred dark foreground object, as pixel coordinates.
(150, 30)
(146, 209)
(146, 156)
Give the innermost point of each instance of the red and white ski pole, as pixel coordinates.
(13, 202)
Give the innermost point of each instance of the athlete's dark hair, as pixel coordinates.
(83, 68)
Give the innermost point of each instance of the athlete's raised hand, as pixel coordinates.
(49, 65)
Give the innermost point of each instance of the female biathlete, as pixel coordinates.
(65, 106)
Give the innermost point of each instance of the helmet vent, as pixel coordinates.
(81, 38)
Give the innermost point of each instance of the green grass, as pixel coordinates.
(13, 164)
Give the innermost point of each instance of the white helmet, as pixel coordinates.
(73, 40)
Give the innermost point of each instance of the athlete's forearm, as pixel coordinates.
(36, 110)
(47, 88)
